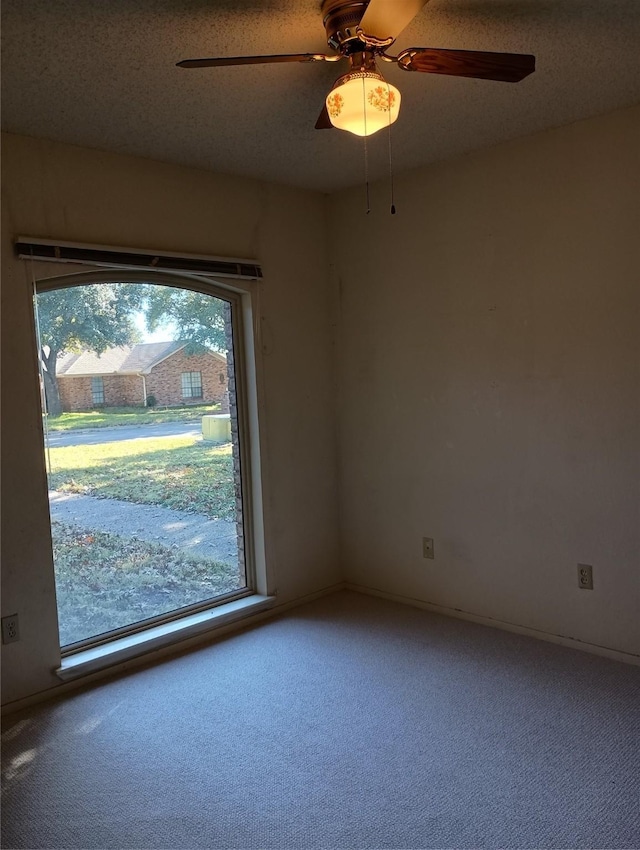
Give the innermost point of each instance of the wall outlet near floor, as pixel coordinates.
(10, 630)
(427, 548)
(585, 576)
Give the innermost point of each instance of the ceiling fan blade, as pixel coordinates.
(387, 18)
(256, 60)
(323, 122)
(507, 67)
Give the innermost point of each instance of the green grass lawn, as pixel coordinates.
(105, 582)
(107, 417)
(176, 472)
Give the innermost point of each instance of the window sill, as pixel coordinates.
(123, 649)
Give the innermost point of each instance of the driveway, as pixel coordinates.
(92, 436)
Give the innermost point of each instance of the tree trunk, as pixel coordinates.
(51, 391)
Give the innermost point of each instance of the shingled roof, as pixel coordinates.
(121, 360)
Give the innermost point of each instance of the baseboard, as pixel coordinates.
(280, 608)
(159, 655)
(573, 643)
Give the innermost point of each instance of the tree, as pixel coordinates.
(93, 316)
(199, 318)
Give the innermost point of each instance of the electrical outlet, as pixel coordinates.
(10, 630)
(427, 548)
(585, 576)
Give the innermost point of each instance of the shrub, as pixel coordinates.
(151, 401)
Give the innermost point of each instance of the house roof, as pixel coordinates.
(121, 360)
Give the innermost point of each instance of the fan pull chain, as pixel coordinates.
(393, 206)
(366, 150)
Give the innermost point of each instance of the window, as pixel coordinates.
(97, 390)
(118, 572)
(192, 385)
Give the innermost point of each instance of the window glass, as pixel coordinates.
(146, 496)
(192, 384)
(97, 390)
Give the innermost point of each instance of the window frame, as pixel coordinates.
(258, 592)
(183, 384)
(99, 391)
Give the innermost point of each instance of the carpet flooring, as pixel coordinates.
(349, 722)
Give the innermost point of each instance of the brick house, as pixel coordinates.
(126, 376)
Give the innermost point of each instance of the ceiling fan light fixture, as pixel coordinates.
(363, 102)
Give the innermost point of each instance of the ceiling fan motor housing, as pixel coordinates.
(341, 19)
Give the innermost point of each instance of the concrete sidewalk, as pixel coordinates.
(195, 534)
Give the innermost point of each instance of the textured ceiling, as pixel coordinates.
(101, 73)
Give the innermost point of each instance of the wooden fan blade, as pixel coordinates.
(507, 67)
(324, 122)
(256, 60)
(387, 18)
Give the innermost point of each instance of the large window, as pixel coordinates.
(192, 385)
(148, 506)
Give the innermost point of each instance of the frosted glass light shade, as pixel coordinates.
(363, 102)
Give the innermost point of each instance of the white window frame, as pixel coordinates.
(197, 620)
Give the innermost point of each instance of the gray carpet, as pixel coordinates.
(351, 722)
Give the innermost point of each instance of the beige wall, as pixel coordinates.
(489, 392)
(58, 191)
(486, 355)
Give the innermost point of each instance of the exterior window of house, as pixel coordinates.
(97, 390)
(149, 524)
(192, 385)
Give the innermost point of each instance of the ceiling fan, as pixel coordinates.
(360, 31)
